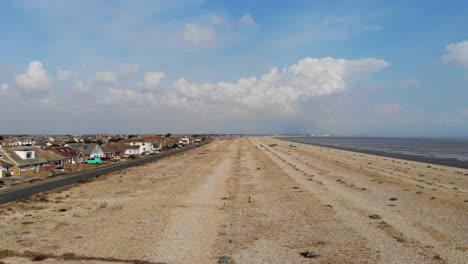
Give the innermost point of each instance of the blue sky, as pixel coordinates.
(394, 68)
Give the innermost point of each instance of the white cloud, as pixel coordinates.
(130, 99)
(410, 83)
(457, 52)
(35, 80)
(81, 87)
(278, 95)
(4, 88)
(152, 80)
(199, 35)
(106, 77)
(278, 91)
(247, 19)
(217, 20)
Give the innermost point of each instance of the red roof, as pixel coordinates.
(66, 152)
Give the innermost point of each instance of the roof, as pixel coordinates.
(85, 148)
(65, 152)
(116, 147)
(5, 163)
(135, 139)
(10, 152)
(50, 155)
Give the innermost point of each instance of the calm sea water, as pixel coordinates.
(433, 148)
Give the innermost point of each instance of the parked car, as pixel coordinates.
(93, 161)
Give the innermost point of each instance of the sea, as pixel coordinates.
(443, 151)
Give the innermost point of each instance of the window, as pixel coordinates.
(29, 154)
(58, 163)
(23, 168)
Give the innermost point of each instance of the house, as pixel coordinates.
(184, 141)
(5, 168)
(144, 146)
(120, 150)
(71, 156)
(26, 142)
(88, 150)
(54, 160)
(23, 161)
(9, 142)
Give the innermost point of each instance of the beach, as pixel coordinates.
(249, 200)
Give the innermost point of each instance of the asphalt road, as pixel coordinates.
(58, 182)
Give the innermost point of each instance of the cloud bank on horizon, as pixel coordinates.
(154, 68)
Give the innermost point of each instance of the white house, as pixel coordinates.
(131, 151)
(184, 141)
(26, 142)
(91, 150)
(144, 147)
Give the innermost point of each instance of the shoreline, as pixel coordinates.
(436, 161)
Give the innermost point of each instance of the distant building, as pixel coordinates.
(88, 150)
(144, 146)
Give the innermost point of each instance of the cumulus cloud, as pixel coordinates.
(106, 77)
(151, 80)
(4, 88)
(457, 52)
(278, 91)
(199, 35)
(34, 80)
(247, 19)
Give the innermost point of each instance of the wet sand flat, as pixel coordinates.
(251, 200)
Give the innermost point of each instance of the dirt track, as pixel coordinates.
(253, 202)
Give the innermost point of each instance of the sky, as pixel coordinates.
(376, 68)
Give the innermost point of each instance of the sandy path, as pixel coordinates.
(252, 202)
(193, 228)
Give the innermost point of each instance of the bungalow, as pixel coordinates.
(144, 146)
(54, 160)
(119, 150)
(24, 161)
(71, 156)
(88, 150)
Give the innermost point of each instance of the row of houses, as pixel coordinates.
(31, 160)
